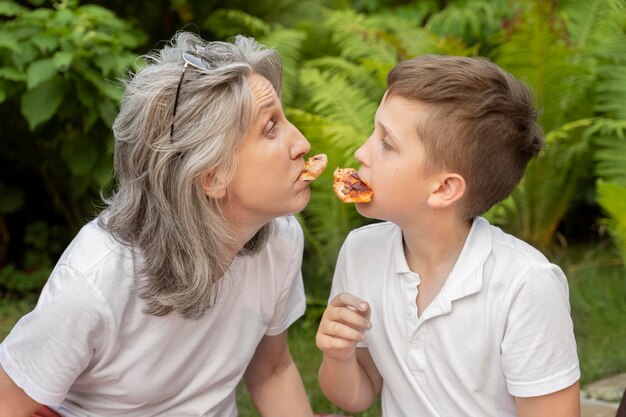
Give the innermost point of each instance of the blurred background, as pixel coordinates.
(60, 64)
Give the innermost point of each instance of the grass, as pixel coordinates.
(307, 357)
(597, 280)
(11, 311)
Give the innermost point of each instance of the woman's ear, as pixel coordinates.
(213, 186)
(448, 190)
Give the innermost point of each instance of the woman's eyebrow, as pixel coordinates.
(267, 105)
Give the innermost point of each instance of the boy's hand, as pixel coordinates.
(343, 325)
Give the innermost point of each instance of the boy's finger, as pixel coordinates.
(350, 301)
(338, 330)
(348, 316)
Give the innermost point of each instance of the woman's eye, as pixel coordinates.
(272, 127)
(385, 144)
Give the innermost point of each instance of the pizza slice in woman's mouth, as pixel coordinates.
(314, 167)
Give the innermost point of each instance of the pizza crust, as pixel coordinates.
(314, 167)
(350, 188)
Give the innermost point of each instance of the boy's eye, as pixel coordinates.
(385, 144)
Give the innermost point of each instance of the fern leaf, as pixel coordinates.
(226, 23)
(358, 37)
(288, 43)
(537, 55)
(610, 157)
(333, 97)
(612, 198)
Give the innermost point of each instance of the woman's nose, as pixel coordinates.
(301, 146)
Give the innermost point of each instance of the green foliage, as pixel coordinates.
(50, 50)
(473, 21)
(58, 92)
(610, 167)
(43, 243)
(563, 55)
(597, 287)
(338, 89)
(58, 71)
(61, 64)
(612, 198)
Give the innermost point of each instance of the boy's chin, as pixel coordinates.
(365, 210)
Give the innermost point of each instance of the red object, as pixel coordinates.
(45, 412)
(329, 415)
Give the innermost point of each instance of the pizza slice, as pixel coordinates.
(350, 188)
(314, 167)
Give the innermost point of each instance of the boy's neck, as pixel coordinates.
(432, 248)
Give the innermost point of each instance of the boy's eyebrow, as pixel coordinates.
(386, 129)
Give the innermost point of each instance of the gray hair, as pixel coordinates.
(159, 206)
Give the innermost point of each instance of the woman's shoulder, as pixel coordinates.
(287, 231)
(91, 247)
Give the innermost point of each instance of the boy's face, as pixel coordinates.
(393, 160)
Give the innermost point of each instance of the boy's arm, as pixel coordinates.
(563, 403)
(348, 376)
(274, 381)
(13, 400)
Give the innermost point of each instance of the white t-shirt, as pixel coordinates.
(89, 350)
(500, 326)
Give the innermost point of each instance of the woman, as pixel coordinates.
(190, 277)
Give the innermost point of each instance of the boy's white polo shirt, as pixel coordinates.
(500, 326)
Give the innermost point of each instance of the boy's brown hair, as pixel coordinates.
(483, 124)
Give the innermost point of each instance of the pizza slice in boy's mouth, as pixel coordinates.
(350, 188)
(313, 167)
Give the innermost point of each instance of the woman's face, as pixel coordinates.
(269, 161)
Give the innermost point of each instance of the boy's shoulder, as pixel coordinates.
(373, 237)
(514, 246)
(379, 230)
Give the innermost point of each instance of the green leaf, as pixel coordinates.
(108, 88)
(7, 41)
(81, 156)
(103, 172)
(40, 71)
(108, 111)
(227, 22)
(11, 199)
(9, 8)
(12, 74)
(45, 41)
(62, 60)
(611, 199)
(64, 17)
(41, 103)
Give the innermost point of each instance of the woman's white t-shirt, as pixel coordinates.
(87, 349)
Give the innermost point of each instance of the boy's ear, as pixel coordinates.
(448, 190)
(214, 186)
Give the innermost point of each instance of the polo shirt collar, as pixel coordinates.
(466, 277)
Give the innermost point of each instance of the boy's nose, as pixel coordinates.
(360, 154)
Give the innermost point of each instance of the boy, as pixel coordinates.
(434, 309)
